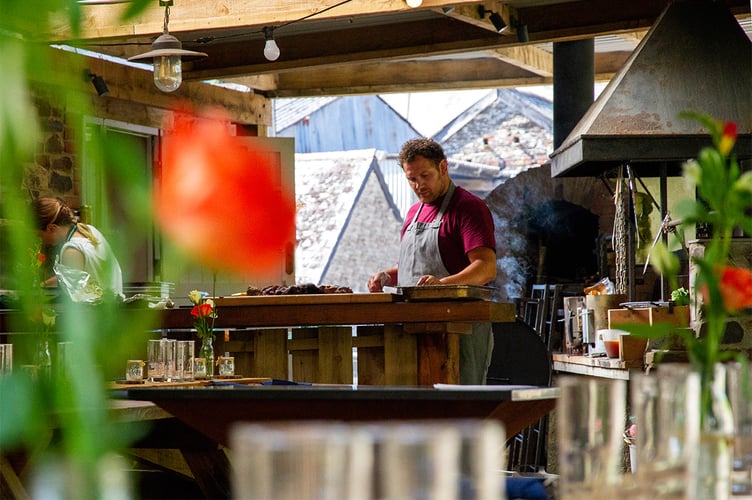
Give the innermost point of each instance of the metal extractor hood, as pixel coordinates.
(696, 57)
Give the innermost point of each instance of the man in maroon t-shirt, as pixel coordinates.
(447, 238)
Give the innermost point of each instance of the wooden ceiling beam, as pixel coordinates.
(534, 59)
(456, 74)
(588, 18)
(101, 22)
(444, 73)
(368, 44)
(136, 86)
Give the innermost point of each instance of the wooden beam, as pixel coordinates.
(529, 57)
(105, 21)
(135, 87)
(471, 14)
(588, 18)
(377, 43)
(395, 77)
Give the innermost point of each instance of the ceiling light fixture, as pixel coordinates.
(414, 3)
(167, 54)
(271, 49)
(496, 20)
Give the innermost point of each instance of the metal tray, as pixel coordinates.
(446, 292)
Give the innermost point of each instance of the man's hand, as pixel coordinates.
(378, 281)
(428, 279)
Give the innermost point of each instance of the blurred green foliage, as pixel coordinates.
(64, 418)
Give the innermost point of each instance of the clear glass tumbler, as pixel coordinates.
(156, 360)
(591, 420)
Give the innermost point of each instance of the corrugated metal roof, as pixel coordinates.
(288, 111)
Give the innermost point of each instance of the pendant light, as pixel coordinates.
(167, 55)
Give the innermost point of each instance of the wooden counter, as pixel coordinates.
(341, 309)
(398, 342)
(310, 338)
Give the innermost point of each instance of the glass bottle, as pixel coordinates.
(207, 352)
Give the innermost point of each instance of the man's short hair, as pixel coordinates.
(422, 146)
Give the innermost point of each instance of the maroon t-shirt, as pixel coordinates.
(467, 225)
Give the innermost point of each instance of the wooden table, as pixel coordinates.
(399, 342)
(213, 410)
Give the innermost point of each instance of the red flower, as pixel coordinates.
(41, 258)
(202, 310)
(735, 287)
(728, 138)
(219, 201)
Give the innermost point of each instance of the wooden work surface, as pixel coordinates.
(340, 309)
(213, 410)
(596, 367)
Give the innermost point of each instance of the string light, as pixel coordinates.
(271, 49)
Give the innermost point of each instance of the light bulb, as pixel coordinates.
(414, 3)
(168, 73)
(271, 50)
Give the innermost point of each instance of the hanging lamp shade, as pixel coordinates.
(167, 54)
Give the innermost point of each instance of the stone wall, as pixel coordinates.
(54, 169)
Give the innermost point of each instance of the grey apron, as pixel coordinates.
(420, 255)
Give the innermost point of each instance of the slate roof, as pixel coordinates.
(328, 188)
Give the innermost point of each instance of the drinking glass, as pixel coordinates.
(290, 461)
(420, 460)
(170, 359)
(666, 407)
(199, 368)
(481, 458)
(591, 420)
(226, 366)
(739, 388)
(156, 360)
(185, 355)
(6, 359)
(134, 370)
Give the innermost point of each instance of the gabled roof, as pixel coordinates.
(327, 187)
(290, 111)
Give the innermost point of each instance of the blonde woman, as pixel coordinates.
(84, 264)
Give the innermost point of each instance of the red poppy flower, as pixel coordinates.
(201, 310)
(218, 200)
(728, 138)
(735, 287)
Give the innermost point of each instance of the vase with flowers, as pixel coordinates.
(720, 289)
(204, 313)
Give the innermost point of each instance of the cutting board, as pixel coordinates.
(307, 299)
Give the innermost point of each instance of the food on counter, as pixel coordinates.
(302, 289)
